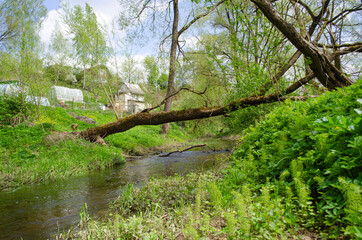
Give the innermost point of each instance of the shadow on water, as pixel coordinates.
(40, 211)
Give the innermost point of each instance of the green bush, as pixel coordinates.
(14, 110)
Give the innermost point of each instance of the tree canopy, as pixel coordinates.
(252, 48)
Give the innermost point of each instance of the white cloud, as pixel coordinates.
(48, 25)
(189, 42)
(106, 11)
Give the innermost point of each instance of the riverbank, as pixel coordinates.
(34, 152)
(159, 209)
(31, 153)
(190, 207)
(40, 211)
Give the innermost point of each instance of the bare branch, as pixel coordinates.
(340, 45)
(345, 12)
(303, 4)
(351, 49)
(184, 150)
(173, 94)
(145, 5)
(187, 26)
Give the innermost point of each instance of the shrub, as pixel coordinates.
(14, 110)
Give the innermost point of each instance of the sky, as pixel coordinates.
(51, 4)
(106, 11)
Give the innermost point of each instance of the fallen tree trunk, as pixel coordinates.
(328, 75)
(156, 118)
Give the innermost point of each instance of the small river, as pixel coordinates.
(41, 211)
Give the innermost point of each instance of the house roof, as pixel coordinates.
(131, 88)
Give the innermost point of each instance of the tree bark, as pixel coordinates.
(323, 69)
(172, 68)
(297, 54)
(174, 42)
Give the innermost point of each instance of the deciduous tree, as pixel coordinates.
(320, 63)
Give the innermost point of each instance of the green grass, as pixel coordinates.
(32, 153)
(27, 158)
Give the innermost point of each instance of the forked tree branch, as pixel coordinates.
(187, 26)
(172, 95)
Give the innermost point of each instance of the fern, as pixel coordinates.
(230, 223)
(241, 204)
(215, 196)
(353, 197)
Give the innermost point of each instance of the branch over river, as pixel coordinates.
(147, 118)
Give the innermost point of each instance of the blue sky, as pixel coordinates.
(51, 4)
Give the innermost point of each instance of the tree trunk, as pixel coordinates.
(147, 118)
(172, 69)
(323, 69)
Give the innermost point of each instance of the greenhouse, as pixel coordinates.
(58, 93)
(43, 101)
(10, 89)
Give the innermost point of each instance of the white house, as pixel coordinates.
(130, 98)
(58, 93)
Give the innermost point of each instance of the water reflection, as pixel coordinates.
(39, 211)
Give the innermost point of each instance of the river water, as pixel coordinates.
(43, 210)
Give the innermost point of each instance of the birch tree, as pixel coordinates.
(88, 36)
(26, 17)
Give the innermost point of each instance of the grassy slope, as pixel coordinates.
(28, 155)
(295, 175)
